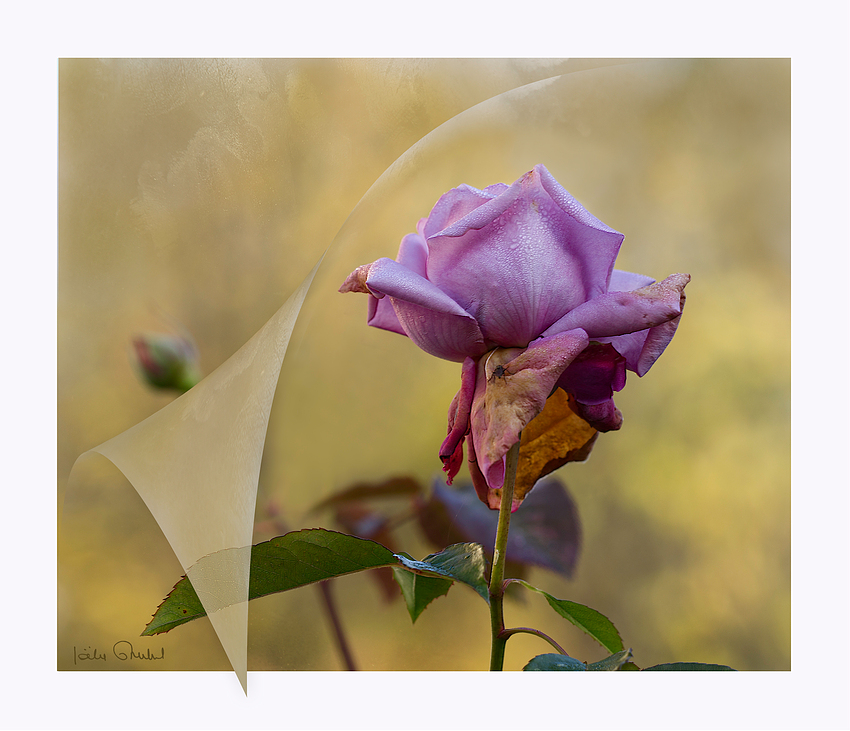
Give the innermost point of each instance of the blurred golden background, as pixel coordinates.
(202, 192)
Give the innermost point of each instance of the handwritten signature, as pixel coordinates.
(122, 650)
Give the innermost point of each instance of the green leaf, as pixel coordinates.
(419, 591)
(629, 666)
(554, 661)
(308, 556)
(286, 562)
(180, 606)
(463, 562)
(614, 662)
(591, 622)
(689, 666)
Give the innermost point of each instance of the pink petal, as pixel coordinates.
(520, 261)
(428, 316)
(627, 281)
(487, 496)
(595, 374)
(452, 463)
(602, 417)
(413, 253)
(456, 204)
(640, 349)
(604, 241)
(657, 340)
(618, 313)
(381, 313)
(451, 451)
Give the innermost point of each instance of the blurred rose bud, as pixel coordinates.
(167, 361)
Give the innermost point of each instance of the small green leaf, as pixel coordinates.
(689, 666)
(419, 591)
(463, 562)
(614, 662)
(591, 622)
(554, 661)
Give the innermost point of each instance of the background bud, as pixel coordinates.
(167, 361)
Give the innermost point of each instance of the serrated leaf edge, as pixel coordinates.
(430, 601)
(404, 562)
(617, 659)
(160, 630)
(550, 598)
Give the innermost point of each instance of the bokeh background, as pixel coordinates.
(198, 194)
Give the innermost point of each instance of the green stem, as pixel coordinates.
(279, 528)
(497, 574)
(336, 624)
(536, 632)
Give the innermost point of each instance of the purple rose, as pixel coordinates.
(518, 283)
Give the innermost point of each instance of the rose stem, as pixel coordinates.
(497, 573)
(336, 623)
(330, 609)
(537, 633)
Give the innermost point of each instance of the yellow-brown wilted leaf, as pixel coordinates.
(557, 435)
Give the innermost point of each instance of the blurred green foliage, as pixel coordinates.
(208, 189)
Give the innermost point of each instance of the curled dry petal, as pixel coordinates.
(642, 348)
(512, 386)
(356, 281)
(556, 436)
(617, 313)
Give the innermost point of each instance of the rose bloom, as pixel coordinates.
(518, 283)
